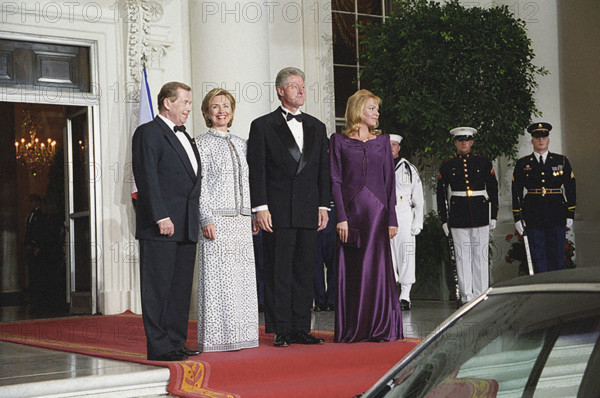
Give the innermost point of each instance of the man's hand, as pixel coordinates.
(166, 227)
(255, 227)
(393, 231)
(209, 231)
(263, 218)
(414, 231)
(445, 228)
(323, 219)
(342, 231)
(519, 227)
(492, 224)
(569, 223)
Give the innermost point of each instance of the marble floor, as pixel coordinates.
(27, 371)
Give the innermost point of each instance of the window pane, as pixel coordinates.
(366, 21)
(568, 360)
(344, 39)
(345, 86)
(370, 7)
(365, 83)
(342, 5)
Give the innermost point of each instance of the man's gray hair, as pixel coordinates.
(284, 75)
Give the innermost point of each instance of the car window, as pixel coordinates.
(567, 362)
(534, 345)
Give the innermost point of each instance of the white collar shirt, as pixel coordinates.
(185, 142)
(295, 127)
(543, 156)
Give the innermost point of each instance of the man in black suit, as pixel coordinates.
(166, 168)
(290, 190)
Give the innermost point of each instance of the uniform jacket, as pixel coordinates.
(293, 183)
(463, 173)
(539, 209)
(225, 190)
(166, 182)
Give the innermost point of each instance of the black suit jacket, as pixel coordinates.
(166, 182)
(293, 184)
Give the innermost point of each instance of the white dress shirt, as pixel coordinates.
(187, 145)
(295, 127)
(544, 156)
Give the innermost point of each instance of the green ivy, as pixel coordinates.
(439, 66)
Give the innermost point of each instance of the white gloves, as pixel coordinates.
(519, 227)
(445, 228)
(569, 223)
(492, 224)
(414, 231)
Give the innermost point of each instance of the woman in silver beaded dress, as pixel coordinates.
(227, 298)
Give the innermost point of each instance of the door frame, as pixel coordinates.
(91, 100)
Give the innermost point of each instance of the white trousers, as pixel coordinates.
(403, 247)
(471, 246)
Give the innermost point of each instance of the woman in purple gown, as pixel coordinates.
(363, 188)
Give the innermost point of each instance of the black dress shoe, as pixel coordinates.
(302, 337)
(281, 340)
(405, 305)
(330, 308)
(171, 356)
(190, 353)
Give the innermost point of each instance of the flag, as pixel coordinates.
(145, 115)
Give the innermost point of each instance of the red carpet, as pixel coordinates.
(330, 370)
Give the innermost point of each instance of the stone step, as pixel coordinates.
(146, 383)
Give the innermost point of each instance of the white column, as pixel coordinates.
(230, 49)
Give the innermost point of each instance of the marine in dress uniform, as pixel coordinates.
(409, 212)
(543, 191)
(473, 189)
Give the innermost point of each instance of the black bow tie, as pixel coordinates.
(290, 116)
(179, 128)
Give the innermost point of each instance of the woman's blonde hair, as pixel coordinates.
(354, 112)
(215, 92)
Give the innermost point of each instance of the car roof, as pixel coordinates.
(583, 275)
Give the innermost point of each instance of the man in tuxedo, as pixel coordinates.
(166, 168)
(290, 191)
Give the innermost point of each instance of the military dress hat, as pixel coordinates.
(539, 129)
(395, 137)
(463, 133)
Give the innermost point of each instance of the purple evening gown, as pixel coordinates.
(363, 188)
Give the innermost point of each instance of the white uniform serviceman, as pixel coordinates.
(409, 211)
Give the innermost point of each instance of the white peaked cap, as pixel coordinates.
(395, 137)
(460, 131)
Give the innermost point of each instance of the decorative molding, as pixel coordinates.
(143, 40)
